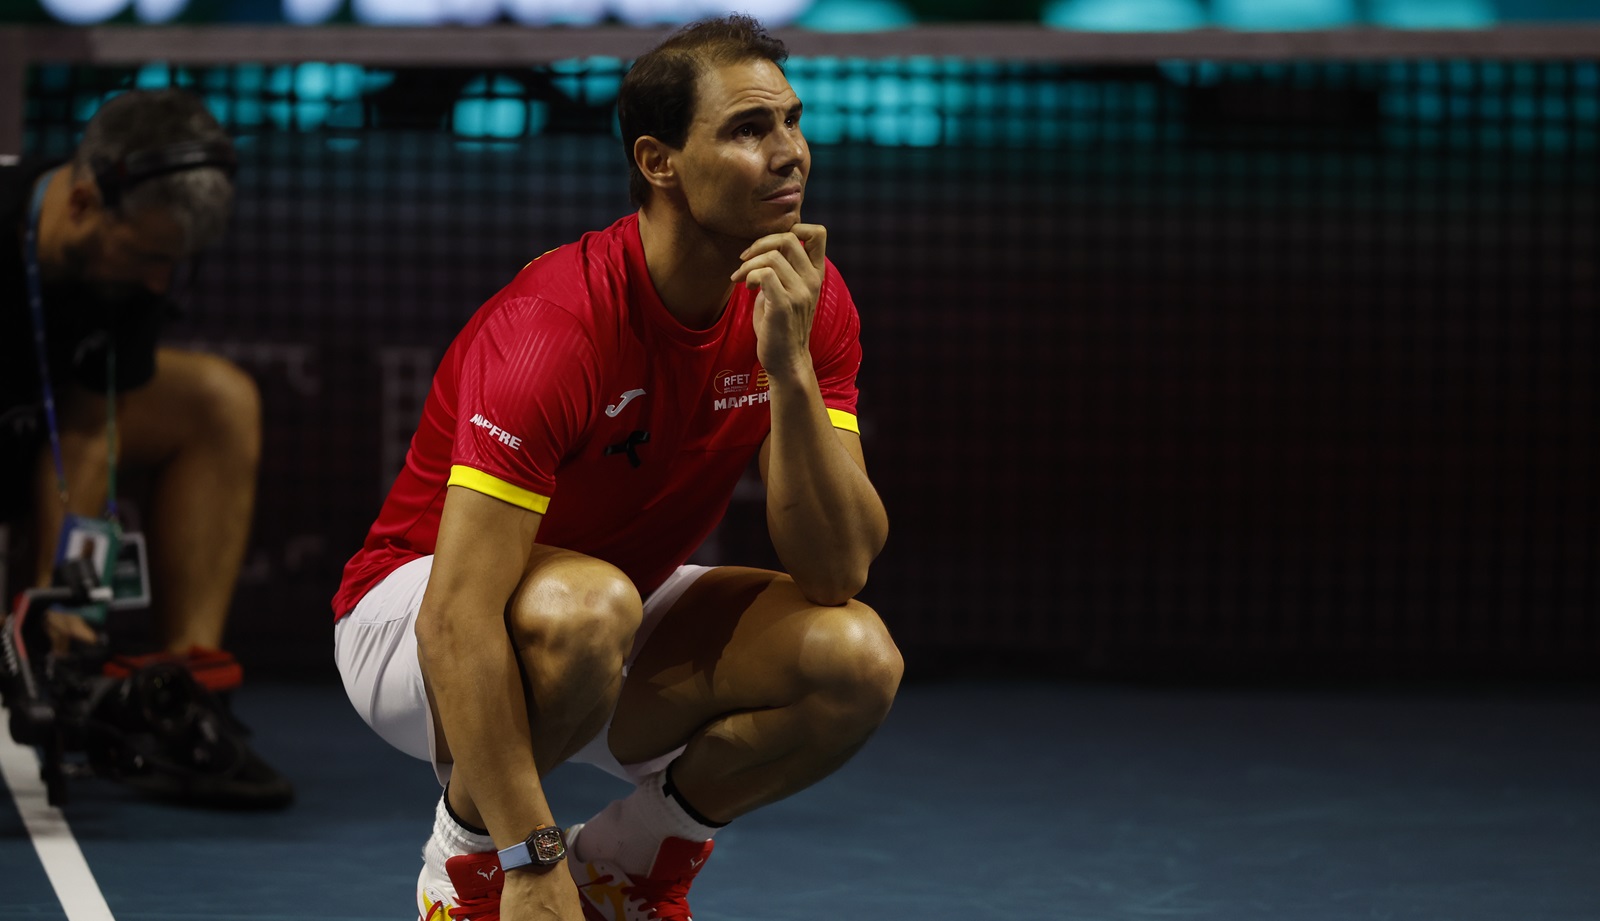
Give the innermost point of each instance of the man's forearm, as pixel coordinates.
(826, 520)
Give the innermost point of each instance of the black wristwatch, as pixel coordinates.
(542, 849)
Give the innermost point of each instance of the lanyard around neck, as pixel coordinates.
(36, 308)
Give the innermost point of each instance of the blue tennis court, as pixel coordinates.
(1088, 802)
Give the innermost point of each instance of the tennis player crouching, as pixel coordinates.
(523, 597)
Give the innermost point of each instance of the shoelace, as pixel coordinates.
(437, 911)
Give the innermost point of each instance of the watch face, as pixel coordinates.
(546, 845)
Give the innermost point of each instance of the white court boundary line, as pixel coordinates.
(58, 850)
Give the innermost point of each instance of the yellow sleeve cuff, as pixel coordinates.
(843, 420)
(478, 481)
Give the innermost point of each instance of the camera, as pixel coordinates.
(143, 721)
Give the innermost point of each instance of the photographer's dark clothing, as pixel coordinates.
(79, 322)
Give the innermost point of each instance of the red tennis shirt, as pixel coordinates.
(575, 394)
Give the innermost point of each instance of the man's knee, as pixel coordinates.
(226, 398)
(575, 614)
(849, 657)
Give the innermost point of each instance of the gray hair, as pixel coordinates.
(143, 120)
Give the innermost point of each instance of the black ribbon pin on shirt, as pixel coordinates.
(634, 439)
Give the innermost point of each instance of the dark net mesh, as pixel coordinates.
(1194, 367)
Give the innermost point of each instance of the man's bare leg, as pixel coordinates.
(197, 427)
(771, 692)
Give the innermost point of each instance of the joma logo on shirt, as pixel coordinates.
(497, 433)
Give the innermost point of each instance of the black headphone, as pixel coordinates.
(116, 177)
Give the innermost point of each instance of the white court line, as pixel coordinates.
(58, 850)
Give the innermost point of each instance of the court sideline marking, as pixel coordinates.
(58, 850)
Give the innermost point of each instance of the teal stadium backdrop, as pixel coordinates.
(832, 15)
(1172, 365)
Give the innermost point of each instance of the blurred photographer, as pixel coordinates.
(99, 248)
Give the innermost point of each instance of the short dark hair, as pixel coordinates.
(658, 93)
(144, 120)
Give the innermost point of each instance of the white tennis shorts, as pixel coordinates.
(375, 647)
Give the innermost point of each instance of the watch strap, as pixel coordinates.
(517, 855)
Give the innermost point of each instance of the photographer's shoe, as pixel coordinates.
(158, 730)
(216, 670)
